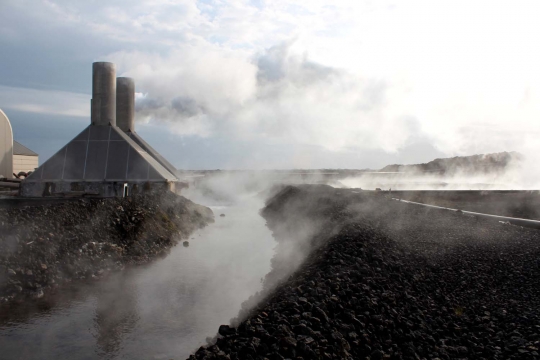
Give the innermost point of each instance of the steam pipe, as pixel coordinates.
(125, 104)
(535, 224)
(103, 103)
(9, 184)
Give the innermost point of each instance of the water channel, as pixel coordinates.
(164, 310)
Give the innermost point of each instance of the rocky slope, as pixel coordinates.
(470, 165)
(44, 247)
(380, 279)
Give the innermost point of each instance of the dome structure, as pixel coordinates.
(6, 147)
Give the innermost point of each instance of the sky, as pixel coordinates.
(282, 84)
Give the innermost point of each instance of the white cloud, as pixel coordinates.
(345, 75)
(277, 95)
(464, 71)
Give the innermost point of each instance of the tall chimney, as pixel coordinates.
(125, 104)
(103, 106)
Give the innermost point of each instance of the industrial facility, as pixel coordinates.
(24, 159)
(6, 147)
(15, 159)
(108, 158)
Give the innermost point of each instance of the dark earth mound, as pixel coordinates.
(389, 280)
(43, 247)
(474, 164)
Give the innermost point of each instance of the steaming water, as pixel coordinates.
(161, 311)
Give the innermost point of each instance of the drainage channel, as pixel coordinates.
(161, 311)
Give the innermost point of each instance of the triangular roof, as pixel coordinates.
(20, 149)
(156, 155)
(101, 153)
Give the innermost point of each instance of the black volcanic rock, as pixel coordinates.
(388, 280)
(43, 247)
(474, 164)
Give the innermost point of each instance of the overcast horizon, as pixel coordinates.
(282, 84)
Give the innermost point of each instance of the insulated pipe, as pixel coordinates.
(103, 104)
(8, 184)
(516, 221)
(125, 104)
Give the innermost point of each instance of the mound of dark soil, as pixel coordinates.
(42, 247)
(389, 280)
(474, 164)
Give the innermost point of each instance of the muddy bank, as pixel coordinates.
(45, 247)
(388, 280)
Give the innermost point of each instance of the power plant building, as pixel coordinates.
(15, 158)
(24, 159)
(108, 158)
(6, 147)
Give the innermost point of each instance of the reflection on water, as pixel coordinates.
(161, 311)
(115, 315)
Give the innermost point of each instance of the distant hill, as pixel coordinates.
(475, 164)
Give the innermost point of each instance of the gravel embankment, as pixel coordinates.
(44, 247)
(389, 280)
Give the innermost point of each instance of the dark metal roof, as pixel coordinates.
(20, 149)
(150, 150)
(101, 153)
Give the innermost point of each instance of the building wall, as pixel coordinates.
(24, 163)
(86, 188)
(6, 146)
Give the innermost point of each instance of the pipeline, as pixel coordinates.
(9, 184)
(535, 224)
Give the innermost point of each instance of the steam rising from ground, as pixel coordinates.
(277, 94)
(522, 175)
(501, 171)
(249, 190)
(295, 244)
(163, 310)
(419, 181)
(169, 307)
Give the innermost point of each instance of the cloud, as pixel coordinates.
(195, 88)
(347, 76)
(274, 95)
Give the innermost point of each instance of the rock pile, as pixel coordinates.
(43, 247)
(390, 280)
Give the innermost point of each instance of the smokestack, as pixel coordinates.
(103, 106)
(125, 104)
